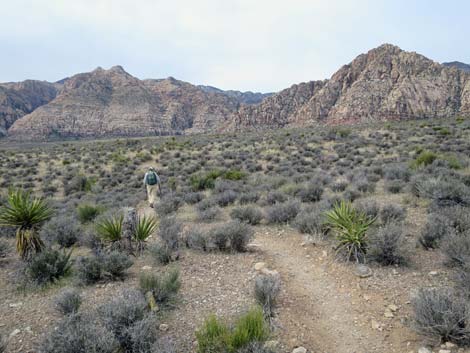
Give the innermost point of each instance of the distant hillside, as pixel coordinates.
(242, 97)
(458, 65)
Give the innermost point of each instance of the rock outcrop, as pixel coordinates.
(20, 98)
(458, 65)
(386, 83)
(114, 103)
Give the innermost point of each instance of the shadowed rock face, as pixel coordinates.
(458, 65)
(384, 84)
(20, 98)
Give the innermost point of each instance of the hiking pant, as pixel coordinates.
(152, 193)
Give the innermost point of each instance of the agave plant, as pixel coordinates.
(109, 229)
(144, 228)
(27, 214)
(350, 227)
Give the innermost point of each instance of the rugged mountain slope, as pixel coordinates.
(242, 97)
(20, 98)
(458, 65)
(114, 103)
(385, 83)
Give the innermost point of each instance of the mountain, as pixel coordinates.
(385, 83)
(242, 97)
(114, 103)
(20, 98)
(458, 65)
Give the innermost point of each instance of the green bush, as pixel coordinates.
(49, 266)
(350, 227)
(163, 287)
(217, 337)
(86, 213)
(424, 159)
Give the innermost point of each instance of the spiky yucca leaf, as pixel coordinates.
(110, 228)
(27, 214)
(145, 226)
(350, 227)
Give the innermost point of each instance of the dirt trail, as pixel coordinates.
(322, 309)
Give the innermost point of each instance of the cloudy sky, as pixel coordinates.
(259, 45)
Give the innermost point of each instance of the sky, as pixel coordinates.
(257, 45)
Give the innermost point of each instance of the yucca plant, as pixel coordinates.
(144, 228)
(27, 214)
(350, 227)
(109, 228)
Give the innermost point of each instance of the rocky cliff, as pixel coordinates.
(458, 65)
(114, 103)
(20, 98)
(386, 83)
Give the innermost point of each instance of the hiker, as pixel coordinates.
(152, 183)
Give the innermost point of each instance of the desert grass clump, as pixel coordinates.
(442, 315)
(350, 227)
(215, 336)
(163, 287)
(249, 214)
(232, 236)
(49, 266)
(79, 333)
(68, 301)
(387, 245)
(267, 288)
(283, 212)
(27, 214)
(87, 213)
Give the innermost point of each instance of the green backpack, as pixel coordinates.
(151, 179)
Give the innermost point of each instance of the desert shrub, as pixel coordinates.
(351, 195)
(397, 172)
(255, 347)
(392, 213)
(87, 213)
(3, 343)
(192, 198)
(168, 204)
(79, 183)
(216, 336)
(462, 280)
(458, 217)
(196, 239)
(63, 230)
(445, 192)
(164, 287)
(369, 207)
(312, 193)
(121, 313)
(79, 333)
(311, 221)
(339, 186)
(142, 336)
(161, 253)
(49, 266)
(283, 212)
(442, 315)
(208, 214)
(424, 159)
(275, 197)
(89, 269)
(350, 227)
(169, 231)
(233, 174)
(249, 214)
(233, 236)
(248, 197)
(205, 181)
(115, 265)
(456, 248)
(386, 246)
(68, 301)
(226, 198)
(267, 288)
(394, 186)
(249, 328)
(436, 228)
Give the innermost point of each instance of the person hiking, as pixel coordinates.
(152, 183)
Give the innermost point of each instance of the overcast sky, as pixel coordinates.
(259, 45)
